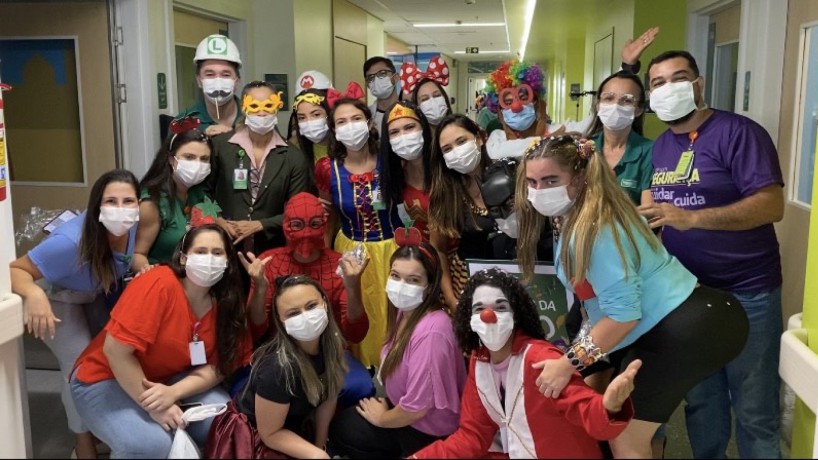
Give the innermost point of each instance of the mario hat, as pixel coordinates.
(312, 79)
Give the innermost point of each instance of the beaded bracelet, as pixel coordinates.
(584, 353)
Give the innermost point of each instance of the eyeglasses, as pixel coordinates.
(625, 100)
(379, 74)
(299, 224)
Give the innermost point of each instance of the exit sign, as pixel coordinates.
(472, 50)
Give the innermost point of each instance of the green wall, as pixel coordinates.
(671, 17)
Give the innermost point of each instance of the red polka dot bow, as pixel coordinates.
(353, 91)
(410, 75)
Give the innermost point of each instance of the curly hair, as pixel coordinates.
(526, 319)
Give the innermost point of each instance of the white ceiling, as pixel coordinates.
(399, 15)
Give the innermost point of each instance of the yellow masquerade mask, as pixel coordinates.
(252, 106)
(310, 98)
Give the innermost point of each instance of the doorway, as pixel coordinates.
(476, 85)
(64, 65)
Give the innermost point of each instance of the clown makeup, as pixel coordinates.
(514, 98)
(489, 297)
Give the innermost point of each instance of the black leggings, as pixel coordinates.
(696, 339)
(352, 436)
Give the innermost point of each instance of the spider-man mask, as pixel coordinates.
(305, 223)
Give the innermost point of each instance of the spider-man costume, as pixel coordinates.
(300, 212)
(304, 225)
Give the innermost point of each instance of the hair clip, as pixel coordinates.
(585, 148)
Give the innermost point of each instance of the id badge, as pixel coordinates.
(240, 179)
(197, 353)
(377, 202)
(685, 166)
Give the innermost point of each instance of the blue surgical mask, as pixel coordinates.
(521, 120)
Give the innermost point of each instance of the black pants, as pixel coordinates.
(352, 436)
(696, 339)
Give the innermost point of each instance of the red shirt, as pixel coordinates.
(323, 271)
(154, 317)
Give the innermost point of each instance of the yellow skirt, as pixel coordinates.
(373, 285)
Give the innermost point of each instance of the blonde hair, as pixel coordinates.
(290, 355)
(600, 202)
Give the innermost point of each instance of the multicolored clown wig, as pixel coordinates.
(510, 75)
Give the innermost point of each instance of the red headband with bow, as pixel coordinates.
(410, 75)
(411, 236)
(353, 91)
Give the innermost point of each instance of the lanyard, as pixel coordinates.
(196, 328)
(693, 135)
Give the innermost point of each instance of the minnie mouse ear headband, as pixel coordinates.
(186, 121)
(411, 236)
(353, 91)
(410, 75)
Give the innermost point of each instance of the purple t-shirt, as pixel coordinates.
(431, 375)
(734, 158)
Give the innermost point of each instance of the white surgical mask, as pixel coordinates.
(404, 296)
(494, 336)
(550, 201)
(191, 172)
(508, 225)
(435, 109)
(408, 146)
(672, 101)
(615, 117)
(314, 130)
(307, 326)
(205, 270)
(118, 220)
(261, 124)
(463, 158)
(218, 90)
(353, 135)
(381, 88)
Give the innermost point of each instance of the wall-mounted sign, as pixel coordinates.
(162, 86)
(472, 50)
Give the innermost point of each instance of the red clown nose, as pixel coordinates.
(488, 316)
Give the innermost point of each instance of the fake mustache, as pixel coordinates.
(219, 94)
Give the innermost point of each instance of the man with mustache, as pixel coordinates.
(217, 62)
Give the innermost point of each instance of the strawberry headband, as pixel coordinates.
(437, 71)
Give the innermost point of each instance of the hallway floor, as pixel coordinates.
(52, 439)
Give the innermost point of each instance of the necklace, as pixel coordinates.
(482, 212)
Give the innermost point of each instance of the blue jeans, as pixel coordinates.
(357, 383)
(122, 424)
(750, 383)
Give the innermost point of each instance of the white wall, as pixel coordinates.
(274, 40)
(312, 26)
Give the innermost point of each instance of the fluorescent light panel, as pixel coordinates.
(463, 24)
(486, 52)
(529, 15)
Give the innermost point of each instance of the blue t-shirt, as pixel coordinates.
(627, 293)
(58, 258)
(734, 158)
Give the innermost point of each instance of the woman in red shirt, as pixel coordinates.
(174, 335)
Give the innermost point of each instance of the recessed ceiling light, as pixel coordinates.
(462, 24)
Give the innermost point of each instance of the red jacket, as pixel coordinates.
(538, 427)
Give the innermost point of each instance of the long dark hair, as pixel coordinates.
(95, 250)
(526, 318)
(159, 178)
(294, 132)
(638, 122)
(428, 257)
(231, 319)
(391, 165)
(448, 194)
(291, 356)
(442, 93)
(337, 150)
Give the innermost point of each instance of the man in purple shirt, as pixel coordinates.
(717, 188)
